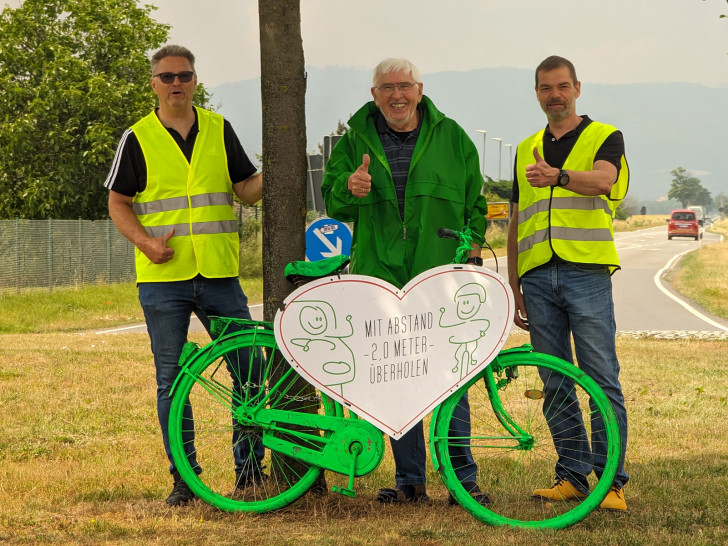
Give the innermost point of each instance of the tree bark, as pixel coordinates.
(283, 90)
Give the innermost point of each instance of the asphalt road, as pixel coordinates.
(256, 311)
(643, 301)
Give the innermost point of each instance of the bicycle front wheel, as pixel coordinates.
(522, 407)
(216, 442)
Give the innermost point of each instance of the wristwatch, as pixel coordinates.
(475, 260)
(563, 178)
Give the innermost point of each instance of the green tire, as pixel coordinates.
(224, 420)
(511, 467)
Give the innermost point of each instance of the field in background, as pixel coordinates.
(641, 221)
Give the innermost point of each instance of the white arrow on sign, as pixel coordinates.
(334, 250)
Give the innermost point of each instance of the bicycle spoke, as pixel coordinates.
(218, 447)
(511, 442)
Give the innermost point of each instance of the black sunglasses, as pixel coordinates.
(168, 77)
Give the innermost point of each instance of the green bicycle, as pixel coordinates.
(246, 397)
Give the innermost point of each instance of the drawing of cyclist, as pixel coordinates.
(325, 339)
(469, 329)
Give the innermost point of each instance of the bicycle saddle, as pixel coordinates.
(301, 272)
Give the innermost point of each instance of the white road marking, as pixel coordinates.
(670, 295)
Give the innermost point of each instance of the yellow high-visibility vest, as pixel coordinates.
(194, 198)
(578, 228)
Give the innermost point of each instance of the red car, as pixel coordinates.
(684, 223)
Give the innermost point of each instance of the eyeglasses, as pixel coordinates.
(168, 77)
(388, 88)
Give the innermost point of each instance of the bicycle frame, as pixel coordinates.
(295, 423)
(347, 445)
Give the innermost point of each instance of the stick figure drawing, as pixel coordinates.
(325, 337)
(469, 299)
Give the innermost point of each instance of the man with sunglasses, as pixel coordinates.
(402, 171)
(172, 185)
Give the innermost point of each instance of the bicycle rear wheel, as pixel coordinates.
(219, 453)
(513, 447)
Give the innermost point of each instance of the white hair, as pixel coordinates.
(396, 65)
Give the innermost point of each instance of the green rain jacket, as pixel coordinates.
(443, 191)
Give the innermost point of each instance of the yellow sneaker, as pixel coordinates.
(561, 490)
(614, 500)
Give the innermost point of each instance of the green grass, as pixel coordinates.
(702, 275)
(65, 309)
(83, 308)
(82, 459)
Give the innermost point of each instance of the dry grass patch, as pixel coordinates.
(641, 221)
(702, 276)
(82, 460)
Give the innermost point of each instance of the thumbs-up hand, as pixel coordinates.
(541, 174)
(360, 181)
(157, 250)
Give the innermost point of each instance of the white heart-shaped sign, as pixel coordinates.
(392, 355)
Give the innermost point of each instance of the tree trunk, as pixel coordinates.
(283, 90)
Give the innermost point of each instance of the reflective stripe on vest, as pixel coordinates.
(198, 228)
(176, 203)
(195, 199)
(576, 227)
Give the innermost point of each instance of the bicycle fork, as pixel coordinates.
(523, 440)
(495, 377)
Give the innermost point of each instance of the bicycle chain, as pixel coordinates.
(295, 397)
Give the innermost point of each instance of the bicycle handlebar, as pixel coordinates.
(465, 239)
(443, 233)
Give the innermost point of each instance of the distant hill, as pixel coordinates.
(665, 125)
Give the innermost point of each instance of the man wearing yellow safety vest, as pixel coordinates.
(569, 179)
(172, 185)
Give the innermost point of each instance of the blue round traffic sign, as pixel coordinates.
(327, 237)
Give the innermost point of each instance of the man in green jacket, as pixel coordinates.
(402, 171)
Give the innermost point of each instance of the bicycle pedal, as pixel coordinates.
(343, 491)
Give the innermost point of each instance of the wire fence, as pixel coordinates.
(57, 253)
(49, 254)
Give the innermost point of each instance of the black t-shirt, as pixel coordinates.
(128, 175)
(556, 151)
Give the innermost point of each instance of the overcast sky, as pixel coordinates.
(612, 41)
(609, 41)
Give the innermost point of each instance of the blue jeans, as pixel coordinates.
(563, 300)
(167, 309)
(409, 451)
